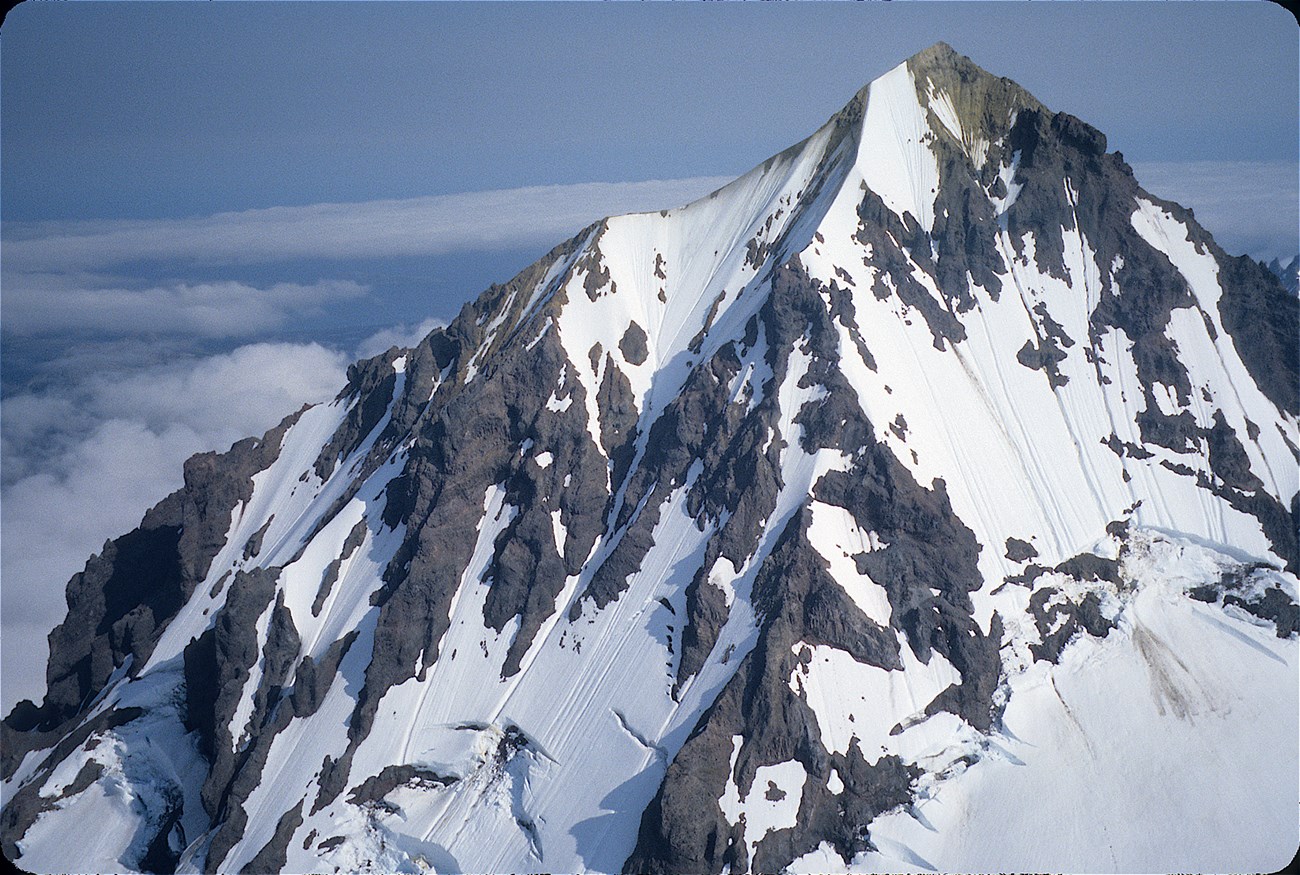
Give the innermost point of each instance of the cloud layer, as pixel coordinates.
(83, 463)
(434, 225)
(1251, 204)
(46, 304)
(399, 335)
(1251, 207)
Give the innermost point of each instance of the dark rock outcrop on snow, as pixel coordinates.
(514, 467)
(798, 601)
(119, 606)
(1262, 317)
(1246, 588)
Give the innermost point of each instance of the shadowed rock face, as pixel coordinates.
(684, 829)
(120, 604)
(590, 466)
(1261, 314)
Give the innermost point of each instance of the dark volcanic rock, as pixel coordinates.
(1273, 605)
(1238, 586)
(312, 680)
(527, 575)
(879, 228)
(121, 603)
(371, 381)
(1088, 566)
(683, 829)
(254, 543)
(633, 345)
(1068, 618)
(1047, 355)
(1228, 457)
(1044, 357)
(373, 790)
(797, 600)
(201, 689)
(271, 858)
(234, 651)
(618, 418)
(331, 574)
(1020, 551)
(1263, 320)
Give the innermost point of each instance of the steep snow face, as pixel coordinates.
(881, 510)
(894, 156)
(1042, 459)
(1218, 685)
(1025, 458)
(653, 294)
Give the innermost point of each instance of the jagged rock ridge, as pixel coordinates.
(1288, 273)
(737, 536)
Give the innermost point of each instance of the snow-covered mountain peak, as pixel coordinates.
(771, 531)
(969, 102)
(671, 275)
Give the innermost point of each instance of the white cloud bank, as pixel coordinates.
(436, 225)
(61, 277)
(404, 336)
(92, 456)
(1251, 205)
(48, 304)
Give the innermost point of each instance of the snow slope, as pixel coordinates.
(577, 583)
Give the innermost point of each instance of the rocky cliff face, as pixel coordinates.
(732, 537)
(1288, 273)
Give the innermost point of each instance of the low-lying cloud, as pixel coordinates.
(47, 304)
(403, 336)
(434, 225)
(83, 462)
(1251, 207)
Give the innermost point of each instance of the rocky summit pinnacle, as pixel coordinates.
(923, 499)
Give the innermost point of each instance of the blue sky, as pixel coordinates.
(156, 112)
(165, 110)
(208, 209)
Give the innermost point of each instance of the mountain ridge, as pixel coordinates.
(797, 423)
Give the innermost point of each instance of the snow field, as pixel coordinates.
(772, 801)
(1184, 719)
(894, 157)
(1007, 445)
(836, 536)
(148, 766)
(852, 700)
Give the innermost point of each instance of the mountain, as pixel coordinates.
(925, 498)
(1288, 273)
